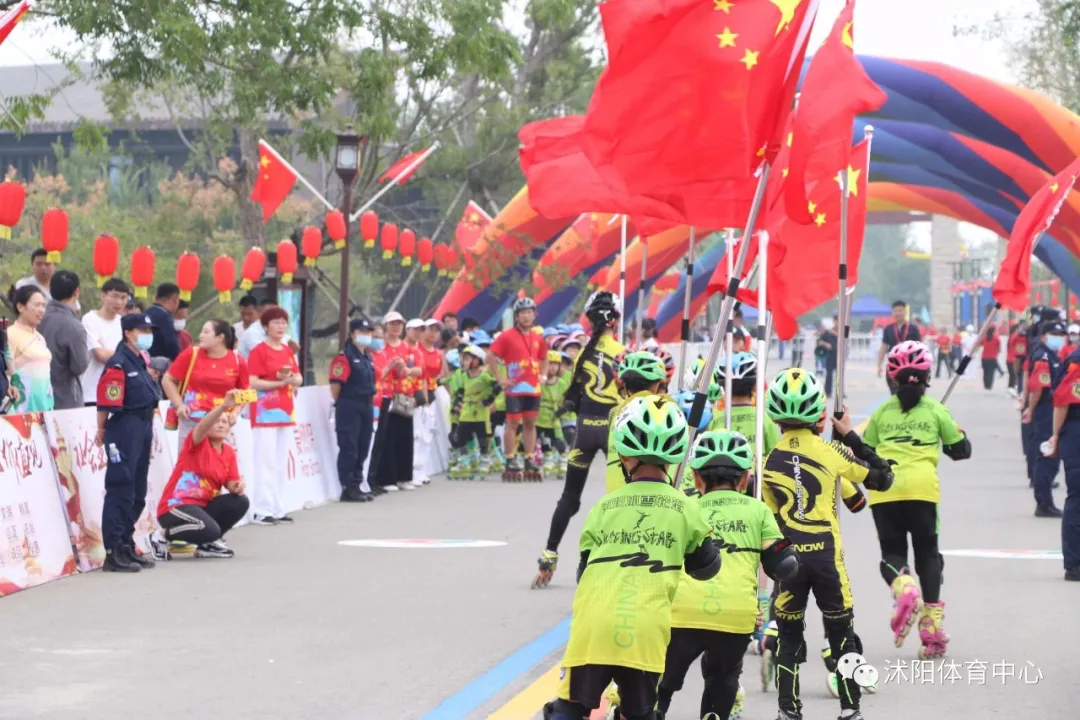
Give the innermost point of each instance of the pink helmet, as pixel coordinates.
(554, 341)
(909, 355)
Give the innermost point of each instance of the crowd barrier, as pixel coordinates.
(52, 482)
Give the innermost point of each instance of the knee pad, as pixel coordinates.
(840, 630)
(569, 504)
(790, 641)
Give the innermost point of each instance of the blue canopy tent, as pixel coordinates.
(869, 306)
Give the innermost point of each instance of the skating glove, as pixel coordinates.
(857, 500)
(959, 450)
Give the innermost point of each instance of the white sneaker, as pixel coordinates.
(390, 488)
(419, 483)
(406, 486)
(426, 481)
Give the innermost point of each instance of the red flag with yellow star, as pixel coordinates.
(274, 182)
(471, 226)
(1012, 287)
(803, 258)
(835, 91)
(694, 98)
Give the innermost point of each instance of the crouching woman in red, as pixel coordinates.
(192, 507)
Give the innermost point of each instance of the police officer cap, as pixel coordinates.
(135, 321)
(1053, 327)
(360, 324)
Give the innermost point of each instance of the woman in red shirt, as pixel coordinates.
(991, 348)
(200, 377)
(274, 375)
(391, 465)
(192, 508)
(425, 421)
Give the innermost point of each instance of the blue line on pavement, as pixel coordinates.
(485, 687)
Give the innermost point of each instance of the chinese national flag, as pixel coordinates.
(804, 259)
(693, 98)
(401, 171)
(719, 280)
(468, 231)
(11, 18)
(563, 183)
(274, 182)
(1012, 288)
(835, 91)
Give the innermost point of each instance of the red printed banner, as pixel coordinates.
(80, 470)
(35, 546)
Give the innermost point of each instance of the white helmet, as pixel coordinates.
(476, 352)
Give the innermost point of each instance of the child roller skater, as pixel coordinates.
(640, 373)
(478, 393)
(454, 384)
(911, 431)
(552, 390)
(717, 618)
(799, 486)
(592, 394)
(635, 544)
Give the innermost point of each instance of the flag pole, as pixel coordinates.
(685, 330)
(622, 275)
(303, 181)
(763, 357)
(702, 389)
(729, 338)
(966, 360)
(641, 291)
(386, 188)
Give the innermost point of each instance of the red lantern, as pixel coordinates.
(252, 269)
(286, 260)
(407, 247)
(12, 202)
(1072, 300)
(311, 245)
(106, 257)
(187, 274)
(224, 277)
(425, 253)
(1055, 287)
(453, 262)
(389, 240)
(336, 228)
(369, 228)
(142, 270)
(440, 259)
(54, 233)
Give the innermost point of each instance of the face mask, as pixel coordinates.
(361, 341)
(1055, 342)
(143, 341)
(179, 324)
(377, 344)
(1073, 339)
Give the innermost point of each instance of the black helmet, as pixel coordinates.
(525, 303)
(603, 309)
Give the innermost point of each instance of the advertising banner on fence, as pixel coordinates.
(35, 546)
(80, 469)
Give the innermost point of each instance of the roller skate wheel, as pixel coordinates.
(541, 580)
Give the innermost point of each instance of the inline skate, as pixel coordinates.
(547, 563)
(514, 471)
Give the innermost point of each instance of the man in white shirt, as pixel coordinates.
(42, 271)
(103, 334)
(250, 310)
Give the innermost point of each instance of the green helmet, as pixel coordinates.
(795, 397)
(645, 365)
(716, 387)
(721, 449)
(652, 428)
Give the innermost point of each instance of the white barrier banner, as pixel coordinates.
(35, 547)
(311, 476)
(80, 470)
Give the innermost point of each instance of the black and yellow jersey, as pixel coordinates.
(594, 388)
(800, 488)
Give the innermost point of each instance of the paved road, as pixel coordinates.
(297, 626)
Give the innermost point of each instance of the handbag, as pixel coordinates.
(172, 420)
(403, 405)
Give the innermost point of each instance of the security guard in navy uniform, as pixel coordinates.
(126, 400)
(1037, 316)
(1066, 443)
(1039, 413)
(352, 386)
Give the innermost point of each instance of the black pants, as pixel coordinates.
(550, 441)
(990, 370)
(585, 686)
(1012, 373)
(945, 359)
(353, 420)
(830, 375)
(895, 522)
(591, 438)
(1045, 468)
(466, 431)
(721, 666)
(392, 454)
(125, 481)
(1069, 451)
(200, 525)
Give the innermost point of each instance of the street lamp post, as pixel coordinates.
(347, 165)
